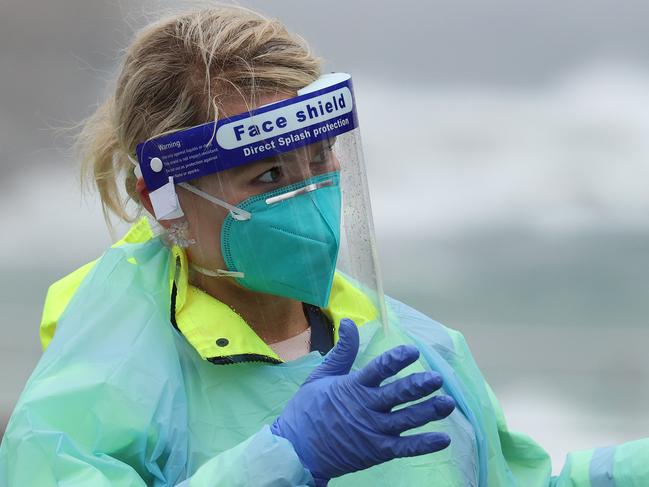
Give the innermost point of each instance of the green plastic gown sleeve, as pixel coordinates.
(263, 460)
(624, 465)
(42, 458)
(100, 411)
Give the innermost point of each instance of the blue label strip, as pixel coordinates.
(273, 129)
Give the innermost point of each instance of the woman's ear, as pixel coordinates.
(143, 193)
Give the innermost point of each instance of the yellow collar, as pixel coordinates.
(206, 322)
(219, 333)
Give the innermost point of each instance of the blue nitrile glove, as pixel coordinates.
(340, 422)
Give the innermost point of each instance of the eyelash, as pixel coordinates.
(274, 168)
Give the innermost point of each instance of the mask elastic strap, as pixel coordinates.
(237, 213)
(217, 273)
(136, 170)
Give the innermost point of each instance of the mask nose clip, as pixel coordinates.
(306, 189)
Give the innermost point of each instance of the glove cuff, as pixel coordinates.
(320, 482)
(274, 429)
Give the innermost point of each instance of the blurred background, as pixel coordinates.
(507, 148)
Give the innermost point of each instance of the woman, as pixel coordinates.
(252, 345)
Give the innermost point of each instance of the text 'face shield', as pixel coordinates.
(275, 198)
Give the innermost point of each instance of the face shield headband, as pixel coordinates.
(322, 110)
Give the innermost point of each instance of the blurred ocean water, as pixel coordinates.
(520, 217)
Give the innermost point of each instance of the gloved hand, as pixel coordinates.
(340, 422)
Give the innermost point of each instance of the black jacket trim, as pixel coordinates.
(242, 358)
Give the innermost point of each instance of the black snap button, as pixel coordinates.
(222, 342)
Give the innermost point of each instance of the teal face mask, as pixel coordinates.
(289, 245)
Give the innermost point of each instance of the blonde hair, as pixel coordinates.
(173, 76)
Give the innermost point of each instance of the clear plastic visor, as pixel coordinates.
(284, 214)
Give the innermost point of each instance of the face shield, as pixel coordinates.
(275, 198)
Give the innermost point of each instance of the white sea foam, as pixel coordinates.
(570, 155)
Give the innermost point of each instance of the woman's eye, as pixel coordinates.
(271, 176)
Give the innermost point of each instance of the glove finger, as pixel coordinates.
(387, 364)
(414, 445)
(411, 388)
(419, 414)
(340, 359)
